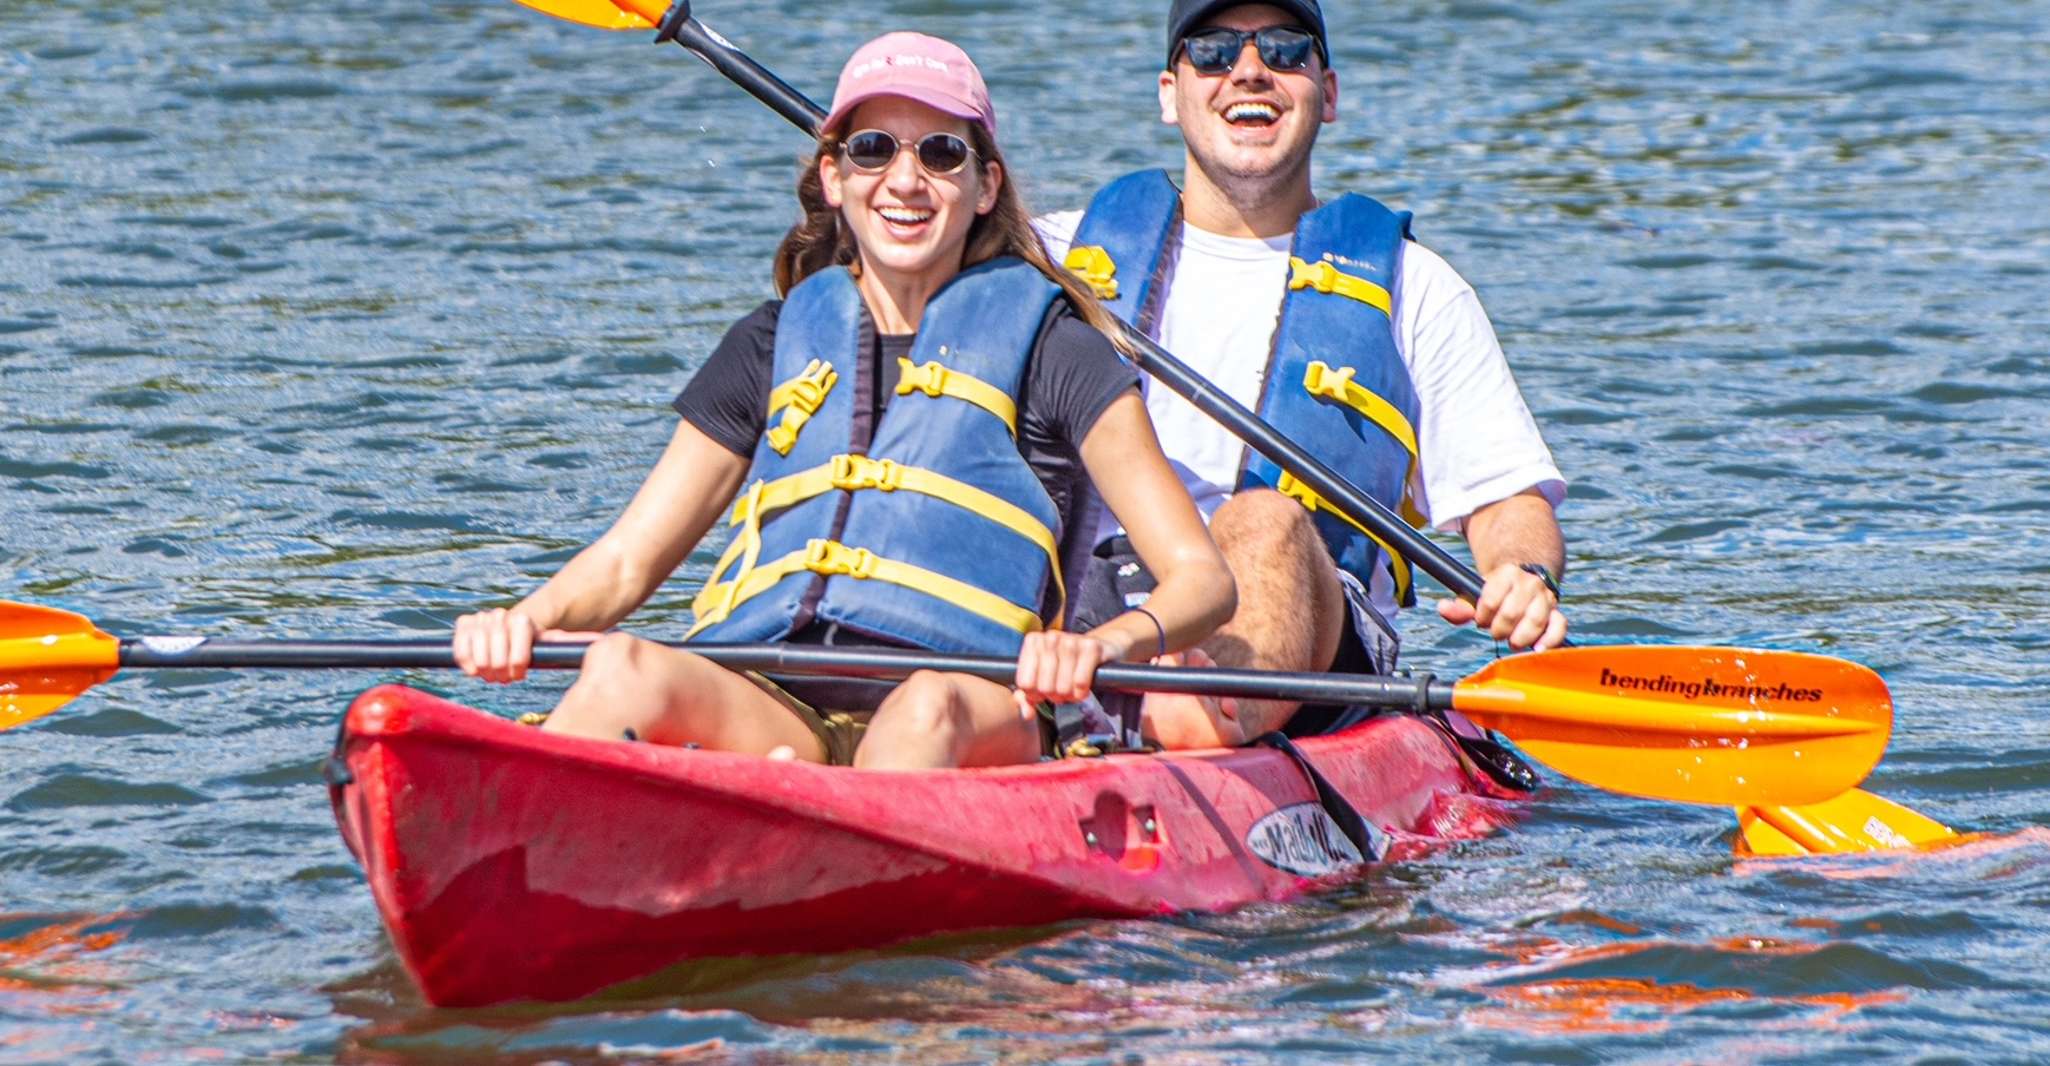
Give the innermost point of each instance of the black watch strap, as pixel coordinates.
(1544, 573)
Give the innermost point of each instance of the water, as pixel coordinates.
(343, 320)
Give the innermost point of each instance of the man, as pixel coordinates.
(1355, 341)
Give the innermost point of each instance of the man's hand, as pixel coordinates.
(1515, 606)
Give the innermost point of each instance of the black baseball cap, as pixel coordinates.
(1187, 15)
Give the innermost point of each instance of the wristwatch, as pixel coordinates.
(1544, 574)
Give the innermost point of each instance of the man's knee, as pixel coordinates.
(1261, 520)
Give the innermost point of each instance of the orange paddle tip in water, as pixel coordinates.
(1856, 821)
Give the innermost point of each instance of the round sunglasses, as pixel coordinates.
(1217, 50)
(872, 151)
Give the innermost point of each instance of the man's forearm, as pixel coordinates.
(1521, 529)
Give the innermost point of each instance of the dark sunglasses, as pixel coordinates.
(872, 152)
(1217, 50)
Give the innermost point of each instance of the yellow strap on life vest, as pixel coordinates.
(936, 380)
(1093, 264)
(1325, 277)
(1321, 381)
(715, 600)
(835, 559)
(1288, 486)
(854, 473)
(799, 399)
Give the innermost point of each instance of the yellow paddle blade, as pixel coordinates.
(604, 14)
(1697, 725)
(1854, 821)
(48, 657)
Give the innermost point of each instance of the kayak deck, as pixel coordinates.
(510, 864)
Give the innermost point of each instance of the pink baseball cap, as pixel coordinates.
(917, 67)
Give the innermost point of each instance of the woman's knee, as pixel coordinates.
(610, 655)
(929, 703)
(626, 684)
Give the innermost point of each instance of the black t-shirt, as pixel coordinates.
(1072, 376)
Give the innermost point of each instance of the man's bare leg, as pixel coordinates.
(1290, 611)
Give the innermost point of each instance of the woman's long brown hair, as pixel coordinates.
(819, 240)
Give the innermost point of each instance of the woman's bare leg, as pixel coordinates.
(668, 696)
(936, 720)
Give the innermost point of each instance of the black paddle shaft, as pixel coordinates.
(889, 664)
(1336, 492)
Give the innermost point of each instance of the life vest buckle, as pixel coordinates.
(799, 399)
(1093, 264)
(889, 477)
(856, 472)
(930, 379)
(1320, 380)
(1325, 277)
(1321, 276)
(835, 559)
(808, 390)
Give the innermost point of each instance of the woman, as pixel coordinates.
(903, 433)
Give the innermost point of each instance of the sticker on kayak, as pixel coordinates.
(1303, 840)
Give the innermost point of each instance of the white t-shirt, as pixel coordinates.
(1477, 440)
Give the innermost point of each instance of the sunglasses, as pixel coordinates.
(1217, 50)
(872, 152)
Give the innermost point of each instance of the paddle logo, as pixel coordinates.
(1708, 686)
(1303, 840)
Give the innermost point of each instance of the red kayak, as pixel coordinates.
(513, 864)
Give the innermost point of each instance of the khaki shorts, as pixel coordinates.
(840, 733)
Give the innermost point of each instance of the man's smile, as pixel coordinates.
(1253, 113)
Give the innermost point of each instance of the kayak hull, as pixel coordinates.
(512, 864)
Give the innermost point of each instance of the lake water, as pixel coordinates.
(342, 320)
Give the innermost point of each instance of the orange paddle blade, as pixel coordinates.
(604, 14)
(48, 657)
(1854, 821)
(1697, 725)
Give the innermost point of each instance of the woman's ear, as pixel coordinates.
(992, 185)
(829, 179)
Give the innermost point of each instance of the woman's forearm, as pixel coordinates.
(1193, 592)
(595, 590)
(1188, 603)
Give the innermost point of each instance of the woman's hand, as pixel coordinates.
(498, 645)
(1058, 667)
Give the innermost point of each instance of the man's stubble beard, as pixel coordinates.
(1251, 188)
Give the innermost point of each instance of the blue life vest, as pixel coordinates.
(1335, 382)
(928, 528)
